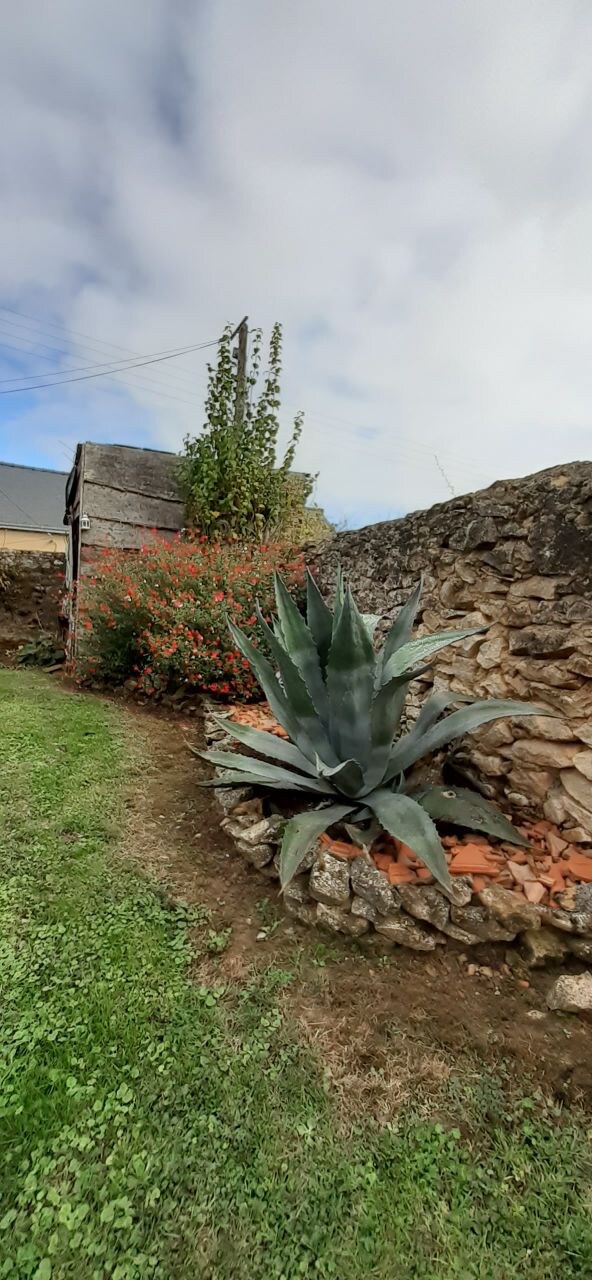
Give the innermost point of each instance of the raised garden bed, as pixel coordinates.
(385, 897)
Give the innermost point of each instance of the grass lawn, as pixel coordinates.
(150, 1126)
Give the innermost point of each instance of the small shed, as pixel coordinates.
(114, 494)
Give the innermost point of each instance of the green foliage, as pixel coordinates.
(153, 1128)
(43, 651)
(341, 705)
(230, 475)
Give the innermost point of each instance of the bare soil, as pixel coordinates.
(387, 1031)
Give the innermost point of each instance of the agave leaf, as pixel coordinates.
(414, 745)
(230, 779)
(263, 772)
(350, 684)
(464, 808)
(267, 744)
(275, 695)
(403, 624)
(371, 621)
(301, 832)
(319, 618)
(339, 593)
(302, 708)
(423, 647)
(347, 777)
(298, 641)
(385, 716)
(434, 705)
(363, 839)
(403, 818)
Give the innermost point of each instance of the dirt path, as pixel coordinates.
(385, 1029)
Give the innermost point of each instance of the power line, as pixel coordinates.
(88, 346)
(153, 355)
(150, 385)
(39, 386)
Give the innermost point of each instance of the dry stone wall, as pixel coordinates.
(352, 897)
(30, 586)
(516, 557)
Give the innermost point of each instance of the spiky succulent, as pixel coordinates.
(341, 703)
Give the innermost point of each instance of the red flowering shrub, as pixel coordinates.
(159, 615)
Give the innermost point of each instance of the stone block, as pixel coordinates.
(259, 855)
(511, 911)
(339, 921)
(583, 763)
(424, 902)
(298, 903)
(370, 883)
(550, 727)
(579, 788)
(329, 880)
(405, 932)
(266, 831)
(481, 924)
(571, 994)
(541, 752)
(542, 947)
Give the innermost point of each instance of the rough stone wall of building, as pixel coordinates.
(516, 557)
(30, 586)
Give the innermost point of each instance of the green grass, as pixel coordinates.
(151, 1127)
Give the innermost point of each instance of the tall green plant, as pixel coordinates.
(341, 704)
(232, 481)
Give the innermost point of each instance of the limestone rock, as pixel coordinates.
(571, 994)
(541, 947)
(554, 807)
(360, 907)
(536, 587)
(541, 642)
(340, 921)
(533, 784)
(492, 651)
(578, 903)
(460, 891)
(577, 813)
(259, 855)
(542, 753)
(555, 918)
(577, 835)
(229, 797)
(268, 829)
(578, 788)
(545, 727)
(492, 765)
(329, 880)
(369, 883)
(298, 903)
(407, 933)
(581, 947)
(425, 903)
(496, 735)
(478, 922)
(509, 909)
(583, 763)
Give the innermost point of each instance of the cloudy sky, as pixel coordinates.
(405, 184)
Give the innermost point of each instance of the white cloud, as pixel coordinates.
(406, 186)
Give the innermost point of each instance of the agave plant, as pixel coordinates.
(341, 704)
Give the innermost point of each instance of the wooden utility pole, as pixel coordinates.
(241, 371)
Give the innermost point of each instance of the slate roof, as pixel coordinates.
(32, 498)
